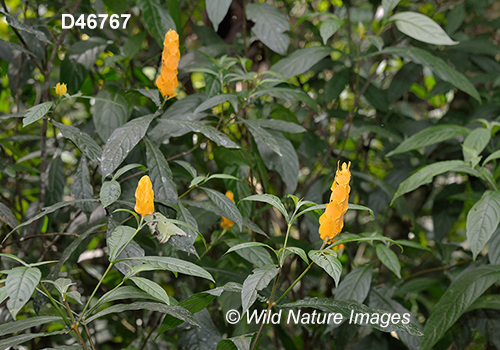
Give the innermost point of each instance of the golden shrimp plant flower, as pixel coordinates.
(61, 89)
(144, 197)
(167, 80)
(332, 220)
(226, 223)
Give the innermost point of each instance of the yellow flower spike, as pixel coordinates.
(167, 80)
(144, 197)
(332, 220)
(226, 223)
(61, 89)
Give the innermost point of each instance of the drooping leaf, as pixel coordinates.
(229, 209)
(207, 130)
(270, 199)
(217, 10)
(258, 256)
(256, 281)
(474, 144)
(122, 141)
(270, 25)
(17, 326)
(328, 28)
(429, 136)
(110, 192)
(82, 140)
(456, 299)
(420, 27)
(217, 100)
(8, 343)
(81, 187)
(389, 5)
(483, 220)
(6, 216)
(56, 181)
(119, 237)
(36, 113)
(327, 260)
(20, 285)
(161, 176)
(389, 259)
(356, 285)
(157, 19)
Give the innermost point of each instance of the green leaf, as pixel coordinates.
(175, 311)
(126, 168)
(388, 258)
(361, 207)
(223, 176)
(270, 25)
(119, 237)
(152, 288)
(256, 281)
(189, 168)
(82, 140)
(81, 187)
(490, 301)
(262, 136)
(356, 285)
(13, 22)
(7, 216)
(389, 5)
(20, 285)
(172, 264)
(217, 100)
(327, 260)
(483, 220)
(207, 130)
(328, 28)
(13, 257)
(153, 95)
(36, 113)
(241, 342)
(298, 251)
(8, 343)
(56, 182)
(225, 205)
(420, 27)
(21, 325)
(493, 156)
(123, 292)
(258, 256)
(193, 304)
(346, 307)
(269, 199)
(287, 94)
(429, 136)
(185, 243)
(476, 142)
(438, 66)
(62, 284)
(110, 192)
(279, 125)
(157, 19)
(110, 111)
(300, 61)
(122, 141)
(412, 244)
(160, 174)
(456, 300)
(248, 245)
(494, 248)
(426, 174)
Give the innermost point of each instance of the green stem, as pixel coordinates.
(88, 336)
(295, 282)
(98, 302)
(55, 304)
(212, 245)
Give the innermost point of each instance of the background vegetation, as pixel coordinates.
(272, 96)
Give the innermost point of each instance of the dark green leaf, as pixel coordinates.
(258, 280)
(356, 285)
(110, 192)
(270, 199)
(36, 113)
(225, 205)
(157, 18)
(152, 288)
(17, 326)
(161, 176)
(300, 61)
(82, 140)
(120, 236)
(122, 141)
(81, 187)
(327, 260)
(270, 25)
(217, 100)
(110, 111)
(7, 216)
(328, 28)
(389, 259)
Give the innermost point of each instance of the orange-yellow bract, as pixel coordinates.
(167, 80)
(61, 89)
(332, 220)
(144, 197)
(226, 223)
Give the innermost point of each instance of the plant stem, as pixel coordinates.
(95, 290)
(295, 282)
(55, 304)
(74, 324)
(88, 335)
